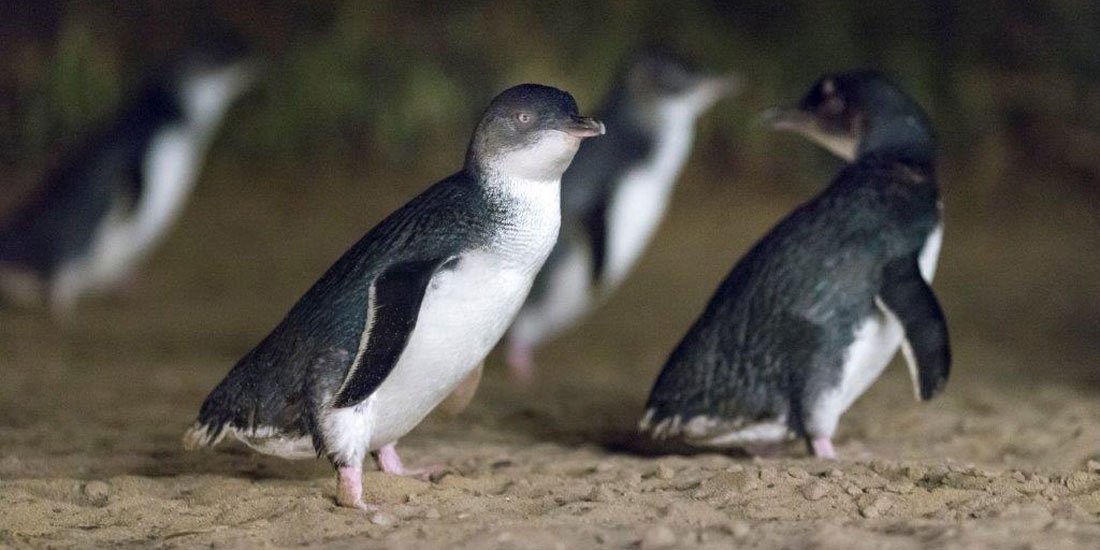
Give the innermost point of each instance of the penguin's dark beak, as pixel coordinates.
(786, 118)
(583, 127)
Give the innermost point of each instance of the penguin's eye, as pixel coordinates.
(524, 117)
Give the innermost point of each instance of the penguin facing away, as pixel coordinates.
(411, 309)
(104, 210)
(615, 194)
(811, 316)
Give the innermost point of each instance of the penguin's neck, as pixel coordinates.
(538, 164)
(899, 138)
(204, 114)
(507, 189)
(668, 130)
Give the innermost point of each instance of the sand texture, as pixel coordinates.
(91, 411)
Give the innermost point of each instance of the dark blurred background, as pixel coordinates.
(366, 103)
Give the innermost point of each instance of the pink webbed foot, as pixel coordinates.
(521, 362)
(823, 448)
(391, 463)
(349, 493)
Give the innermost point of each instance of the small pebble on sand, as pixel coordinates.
(876, 506)
(798, 473)
(815, 490)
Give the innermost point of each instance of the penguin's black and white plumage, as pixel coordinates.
(413, 308)
(106, 207)
(811, 316)
(615, 194)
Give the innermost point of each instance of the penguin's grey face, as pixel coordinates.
(206, 90)
(829, 115)
(855, 112)
(530, 132)
(670, 87)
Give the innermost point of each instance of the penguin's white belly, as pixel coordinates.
(566, 299)
(640, 202)
(874, 344)
(636, 211)
(464, 313)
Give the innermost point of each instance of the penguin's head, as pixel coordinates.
(529, 132)
(661, 84)
(854, 113)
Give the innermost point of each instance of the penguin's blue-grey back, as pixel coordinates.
(778, 325)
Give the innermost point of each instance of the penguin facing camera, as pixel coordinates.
(412, 309)
(615, 194)
(812, 314)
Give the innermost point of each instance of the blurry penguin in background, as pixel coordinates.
(108, 205)
(810, 317)
(615, 194)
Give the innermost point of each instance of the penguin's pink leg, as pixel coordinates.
(391, 463)
(349, 482)
(521, 362)
(823, 448)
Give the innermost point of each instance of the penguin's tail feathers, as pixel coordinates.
(201, 435)
(659, 426)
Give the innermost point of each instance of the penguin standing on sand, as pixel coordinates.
(811, 316)
(101, 213)
(413, 308)
(615, 194)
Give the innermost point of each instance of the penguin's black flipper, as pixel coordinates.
(395, 299)
(907, 295)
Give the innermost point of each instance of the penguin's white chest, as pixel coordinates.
(464, 313)
(642, 197)
(877, 339)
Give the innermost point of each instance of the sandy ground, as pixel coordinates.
(91, 411)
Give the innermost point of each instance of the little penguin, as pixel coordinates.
(96, 217)
(811, 316)
(615, 194)
(413, 308)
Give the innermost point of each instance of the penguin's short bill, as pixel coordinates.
(615, 194)
(810, 317)
(412, 309)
